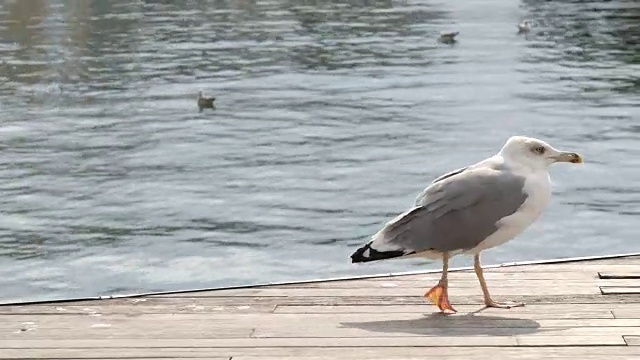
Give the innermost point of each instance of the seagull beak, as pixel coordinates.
(570, 157)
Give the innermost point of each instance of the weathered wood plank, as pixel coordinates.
(531, 353)
(627, 275)
(297, 325)
(570, 340)
(184, 323)
(240, 301)
(22, 355)
(262, 342)
(447, 357)
(102, 333)
(632, 340)
(377, 316)
(405, 329)
(570, 267)
(620, 290)
(78, 354)
(471, 353)
(125, 306)
(472, 283)
(626, 313)
(490, 275)
(461, 352)
(551, 289)
(87, 327)
(537, 311)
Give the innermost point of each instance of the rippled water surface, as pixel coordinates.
(331, 117)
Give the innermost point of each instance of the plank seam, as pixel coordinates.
(322, 347)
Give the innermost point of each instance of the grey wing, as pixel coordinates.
(421, 198)
(455, 213)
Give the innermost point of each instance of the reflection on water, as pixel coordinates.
(331, 117)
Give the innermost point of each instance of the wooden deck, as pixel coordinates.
(575, 310)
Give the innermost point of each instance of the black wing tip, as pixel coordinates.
(374, 255)
(358, 255)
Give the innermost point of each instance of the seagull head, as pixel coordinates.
(535, 154)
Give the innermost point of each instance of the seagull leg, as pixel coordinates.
(485, 291)
(439, 294)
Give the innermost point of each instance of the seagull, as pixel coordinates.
(470, 210)
(448, 37)
(524, 27)
(205, 101)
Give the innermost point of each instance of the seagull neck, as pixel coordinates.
(519, 164)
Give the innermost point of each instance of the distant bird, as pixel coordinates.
(205, 101)
(524, 27)
(448, 37)
(470, 210)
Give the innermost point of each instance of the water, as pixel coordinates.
(331, 117)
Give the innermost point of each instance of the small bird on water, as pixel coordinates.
(470, 210)
(524, 27)
(448, 37)
(205, 101)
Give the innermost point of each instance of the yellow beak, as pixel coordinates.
(570, 157)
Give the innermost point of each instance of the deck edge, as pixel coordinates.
(343, 278)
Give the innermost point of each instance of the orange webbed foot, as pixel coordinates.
(439, 297)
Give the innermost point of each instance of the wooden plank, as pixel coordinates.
(465, 337)
(183, 325)
(390, 329)
(91, 355)
(535, 311)
(261, 342)
(409, 300)
(552, 310)
(632, 340)
(569, 267)
(551, 289)
(86, 327)
(460, 352)
(620, 290)
(326, 328)
(88, 356)
(158, 333)
(148, 306)
(447, 357)
(489, 276)
(416, 322)
(530, 353)
(457, 299)
(243, 304)
(471, 353)
(374, 318)
(569, 340)
(614, 275)
(626, 313)
(466, 284)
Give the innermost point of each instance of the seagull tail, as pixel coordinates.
(388, 243)
(368, 253)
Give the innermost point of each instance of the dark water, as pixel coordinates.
(331, 117)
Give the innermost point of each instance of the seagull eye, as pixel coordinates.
(539, 150)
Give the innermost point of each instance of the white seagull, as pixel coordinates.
(470, 210)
